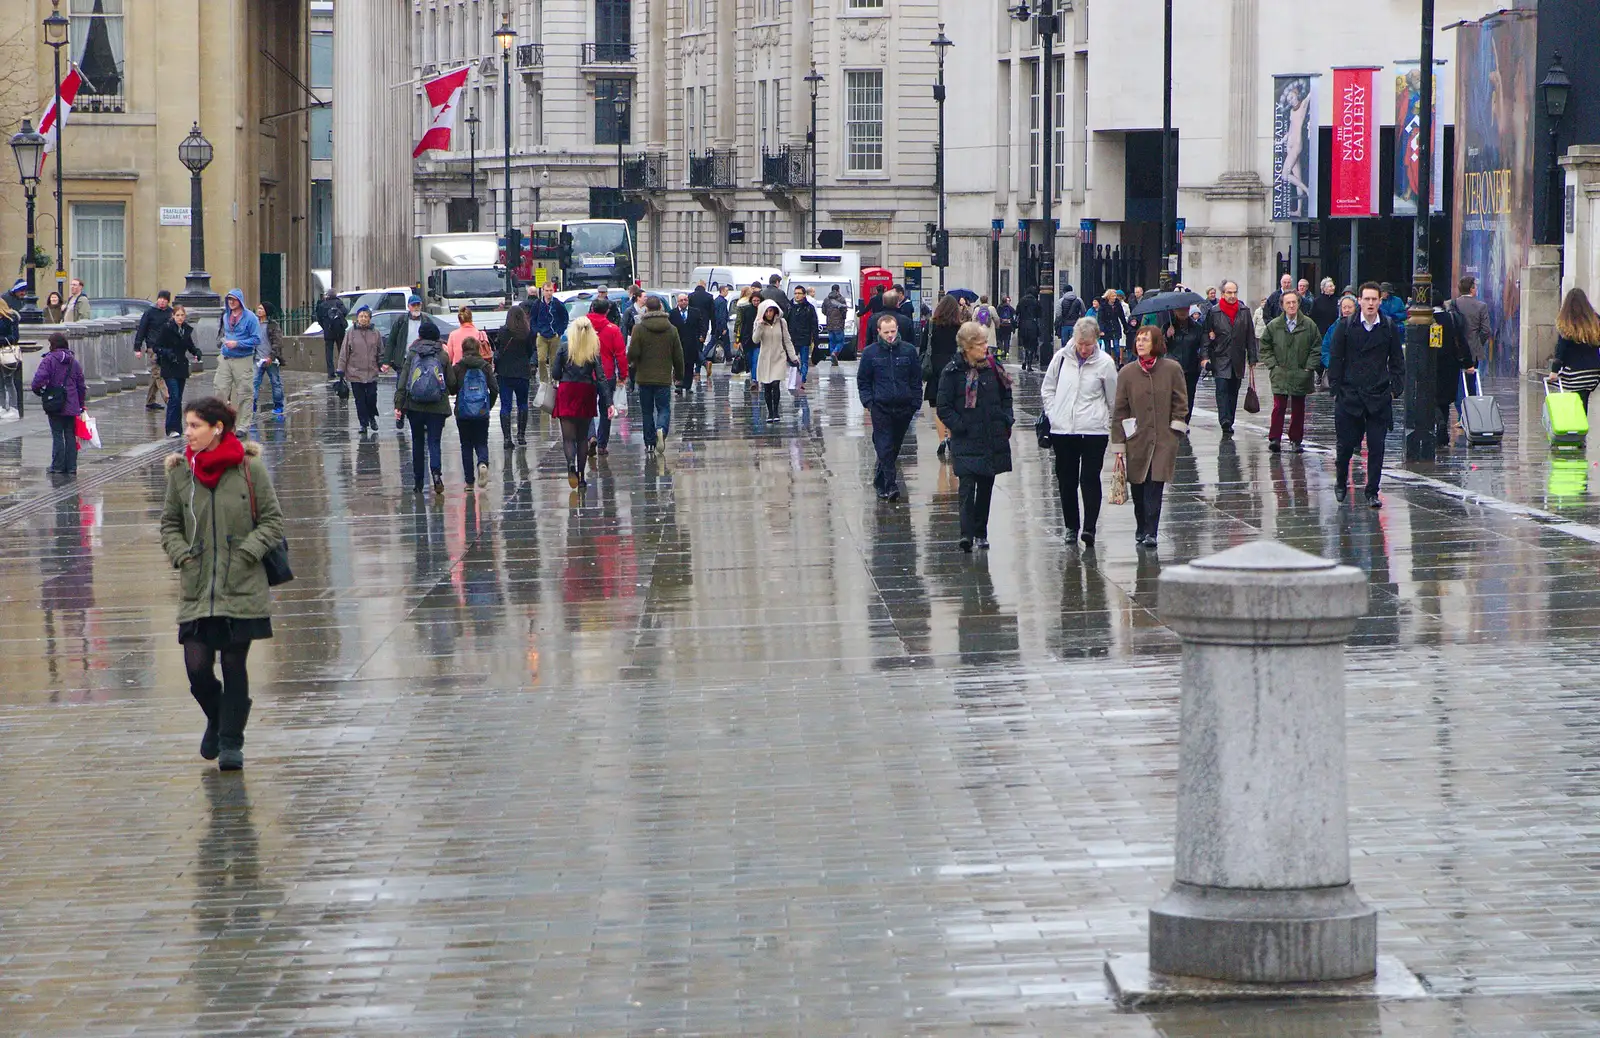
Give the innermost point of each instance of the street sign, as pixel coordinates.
(736, 232)
(913, 277)
(175, 216)
(1436, 336)
(540, 276)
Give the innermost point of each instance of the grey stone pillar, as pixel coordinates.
(373, 130)
(1263, 891)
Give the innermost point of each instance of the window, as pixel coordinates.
(761, 114)
(609, 127)
(864, 5)
(533, 117)
(321, 223)
(1035, 120)
(1059, 118)
(864, 120)
(321, 142)
(766, 10)
(97, 51)
(321, 59)
(613, 23)
(705, 115)
(690, 137)
(99, 254)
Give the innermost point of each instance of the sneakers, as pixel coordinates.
(981, 542)
(173, 435)
(483, 469)
(277, 412)
(661, 440)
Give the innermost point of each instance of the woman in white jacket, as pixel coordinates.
(1079, 392)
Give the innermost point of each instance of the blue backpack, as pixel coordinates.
(473, 400)
(427, 380)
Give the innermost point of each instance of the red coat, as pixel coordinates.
(613, 351)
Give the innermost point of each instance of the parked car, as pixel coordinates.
(99, 308)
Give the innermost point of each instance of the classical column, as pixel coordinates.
(657, 75)
(799, 113)
(1243, 59)
(373, 134)
(727, 43)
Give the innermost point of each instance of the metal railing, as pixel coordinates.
(608, 54)
(530, 55)
(100, 103)
(788, 167)
(646, 171)
(713, 169)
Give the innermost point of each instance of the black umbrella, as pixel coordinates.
(1160, 302)
(964, 293)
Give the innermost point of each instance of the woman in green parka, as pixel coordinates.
(219, 518)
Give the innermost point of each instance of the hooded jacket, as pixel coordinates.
(245, 332)
(613, 351)
(655, 353)
(215, 543)
(834, 310)
(361, 353)
(61, 368)
(471, 358)
(777, 348)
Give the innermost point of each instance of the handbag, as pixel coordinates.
(10, 355)
(1041, 429)
(1119, 481)
(53, 399)
(343, 389)
(276, 561)
(545, 398)
(741, 363)
(1252, 400)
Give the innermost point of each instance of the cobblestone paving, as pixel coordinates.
(726, 747)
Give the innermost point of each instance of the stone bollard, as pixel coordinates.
(1262, 892)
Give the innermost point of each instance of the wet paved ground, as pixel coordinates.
(727, 747)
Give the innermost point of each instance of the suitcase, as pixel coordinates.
(1480, 415)
(1566, 423)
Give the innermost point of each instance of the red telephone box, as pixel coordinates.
(872, 279)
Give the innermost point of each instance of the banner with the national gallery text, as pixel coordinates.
(1294, 147)
(1408, 140)
(1355, 144)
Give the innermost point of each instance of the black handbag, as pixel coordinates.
(53, 399)
(741, 363)
(343, 389)
(1041, 429)
(275, 562)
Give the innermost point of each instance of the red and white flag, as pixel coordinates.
(47, 121)
(444, 96)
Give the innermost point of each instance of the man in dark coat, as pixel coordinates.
(1366, 374)
(1230, 350)
(891, 306)
(889, 381)
(335, 322)
(692, 335)
(1272, 309)
(144, 337)
(774, 292)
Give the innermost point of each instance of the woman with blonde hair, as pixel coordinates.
(1576, 367)
(581, 392)
(974, 402)
(452, 346)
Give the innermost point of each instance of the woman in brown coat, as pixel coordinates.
(1152, 401)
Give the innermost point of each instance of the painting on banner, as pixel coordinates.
(1355, 144)
(1408, 143)
(1294, 148)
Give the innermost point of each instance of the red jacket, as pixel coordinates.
(613, 351)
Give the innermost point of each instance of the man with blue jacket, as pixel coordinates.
(889, 379)
(548, 319)
(238, 335)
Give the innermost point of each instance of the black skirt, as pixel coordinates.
(225, 632)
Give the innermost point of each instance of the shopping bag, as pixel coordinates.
(792, 381)
(545, 398)
(619, 405)
(1252, 401)
(1119, 481)
(88, 431)
(343, 389)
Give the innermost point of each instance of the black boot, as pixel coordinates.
(522, 428)
(234, 713)
(207, 698)
(505, 428)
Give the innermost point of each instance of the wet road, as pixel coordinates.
(725, 746)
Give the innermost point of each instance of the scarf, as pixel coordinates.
(1230, 308)
(210, 465)
(1148, 364)
(975, 372)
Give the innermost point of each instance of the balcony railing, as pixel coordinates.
(787, 168)
(608, 54)
(100, 103)
(714, 170)
(530, 56)
(646, 171)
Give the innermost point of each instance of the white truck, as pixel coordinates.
(461, 270)
(820, 270)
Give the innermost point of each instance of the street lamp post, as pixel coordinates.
(506, 36)
(28, 146)
(57, 30)
(814, 80)
(619, 102)
(1169, 201)
(1421, 362)
(941, 43)
(1554, 91)
(472, 161)
(195, 153)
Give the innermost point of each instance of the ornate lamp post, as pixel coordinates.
(1421, 416)
(195, 153)
(506, 36)
(814, 80)
(28, 146)
(472, 121)
(1554, 90)
(619, 103)
(57, 31)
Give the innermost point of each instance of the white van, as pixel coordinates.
(734, 277)
(819, 270)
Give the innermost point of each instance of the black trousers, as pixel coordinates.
(1227, 390)
(1146, 507)
(1351, 429)
(1079, 460)
(64, 443)
(366, 398)
(330, 348)
(976, 493)
(889, 430)
(1192, 380)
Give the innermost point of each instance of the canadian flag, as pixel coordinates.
(47, 122)
(444, 95)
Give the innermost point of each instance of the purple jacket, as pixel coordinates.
(61, 368)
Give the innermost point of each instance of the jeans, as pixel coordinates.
(835, 344)
(1146, 507)
(15, 378)
(426, 430)
(474, 434)
(365, 395)
(234, 384)
(273, 375)
(754, 353)
(889, 430)
(1227, 390)
(976, 493)
(600, 428)
(805, 359)
(64, 443)
(1351, 429)
(655, 410)
(1079, 460)
(1296, 406)
(174, 404)
(513, 391)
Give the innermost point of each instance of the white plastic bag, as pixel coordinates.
(792, 383)
(88, 430)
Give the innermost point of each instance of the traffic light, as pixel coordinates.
(513, 248)
(565, 250)
(929, 232)
(941, 248)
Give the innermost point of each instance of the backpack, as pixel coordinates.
(473, 399)
(337, 325)
(983, 316)
(427, 380)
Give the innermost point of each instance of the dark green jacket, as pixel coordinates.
(655, 352)
(402, 400)
(214, 543)
(1292, 357)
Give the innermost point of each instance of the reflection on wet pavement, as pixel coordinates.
(726, 746)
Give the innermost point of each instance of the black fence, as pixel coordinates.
(787, 168)
(713, 170)
(646, 171)
(608, 53)
(1109, 266)
(530, 55)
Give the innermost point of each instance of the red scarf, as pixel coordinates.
(1148, 364)
(208, 466)
(1230, 308)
